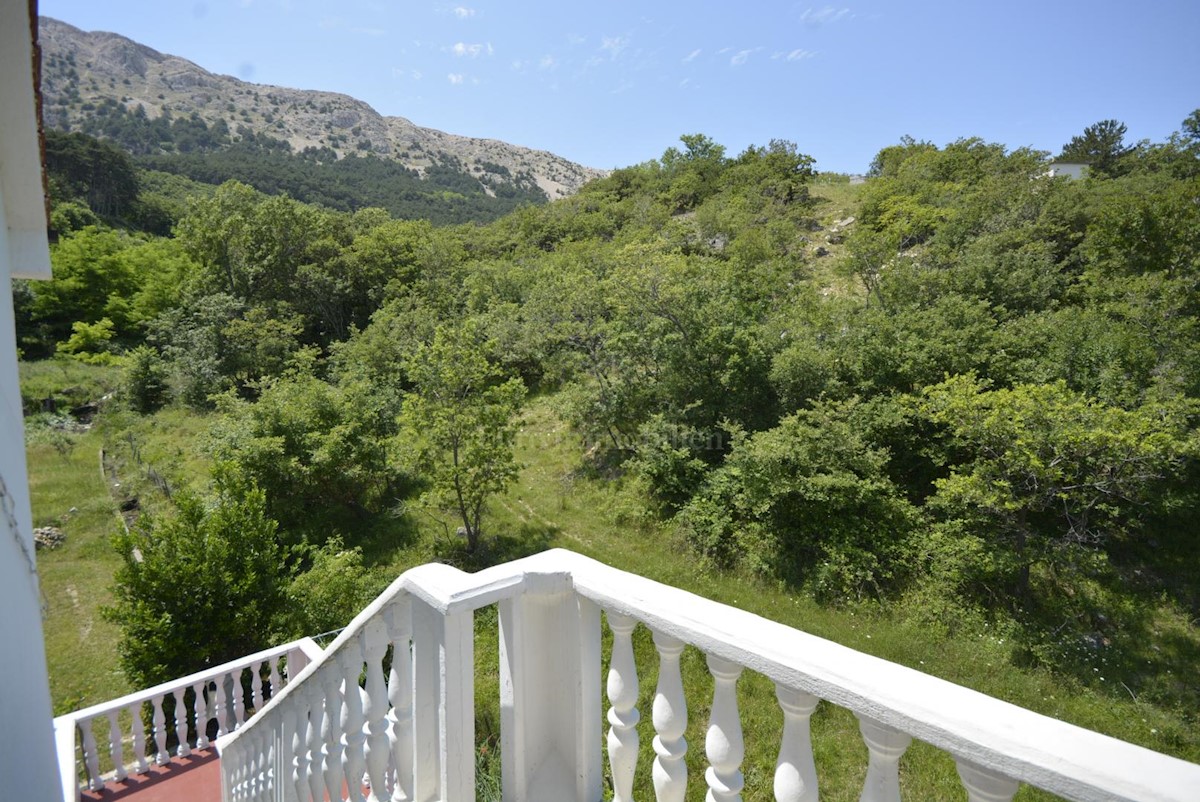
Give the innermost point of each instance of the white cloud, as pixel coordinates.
(463, 49)
(739, 58)
(691, 56)
(826, 15)
(463, 12)
(455, 78)
(800, 53)
(547, 62)
(613, 45)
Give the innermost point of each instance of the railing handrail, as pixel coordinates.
(1062, 758)
(170, 686)
(1052, 754)
(444, 588)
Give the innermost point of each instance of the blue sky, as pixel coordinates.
(613, 82)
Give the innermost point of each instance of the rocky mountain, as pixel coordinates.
(83, 72)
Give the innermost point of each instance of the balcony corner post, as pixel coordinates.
(550, 693)
(443, 703)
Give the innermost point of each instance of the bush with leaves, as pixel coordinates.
(200, 587)
(146, 385)
(807, 502)
(319, 450)
(326, 597)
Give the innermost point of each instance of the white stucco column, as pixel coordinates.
(27, 752)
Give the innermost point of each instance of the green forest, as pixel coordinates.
(961, 398)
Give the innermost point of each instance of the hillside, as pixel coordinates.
(84, 74)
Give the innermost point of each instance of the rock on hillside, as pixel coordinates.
(81, 69)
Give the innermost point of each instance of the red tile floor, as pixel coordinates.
(196, 778)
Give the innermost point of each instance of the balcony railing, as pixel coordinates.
(218, 698)
(408, 734)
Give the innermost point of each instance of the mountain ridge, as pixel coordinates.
(81, 68)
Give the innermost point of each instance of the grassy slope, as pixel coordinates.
(65, 475)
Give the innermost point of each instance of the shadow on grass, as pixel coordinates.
(495, 548)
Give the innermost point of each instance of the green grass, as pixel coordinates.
(67, 381)
(68, 491)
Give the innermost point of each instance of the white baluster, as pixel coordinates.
(795, 772)
(623, 717)
(115, 748)
(885, 745)
(269, 751)
(274, 679)
(374, 642)
(723, 743)
(256, 689)
(231, 769)
(239, 701)
(222, 705)
(400, 688)
(354, 761)
(181, 723)
(258, 762)
(91, 760)
(331, 749)
(670, 721)
(299, 765)
(316, 761)
(200, 714)
(985, 785)
(139, 738)
(246, 783)
(161, 757)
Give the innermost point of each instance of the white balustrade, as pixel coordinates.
(415, 731)
(623, 717)
(187, 717)
(670, 717)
